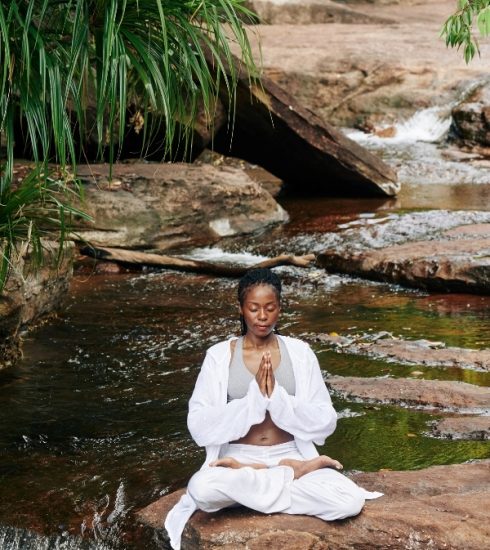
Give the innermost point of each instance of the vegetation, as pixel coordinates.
(458, 30)
(72, 71)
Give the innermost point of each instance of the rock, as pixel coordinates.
(471, 118)
(464, 427)
(438, 508)
(305, 12)
(434, 394)
(275, 131)
(413, 352)
(31, 294)
(456, 260)
(268, 181)
(347, 73)
(159, 206)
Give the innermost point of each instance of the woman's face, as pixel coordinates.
(260, 310)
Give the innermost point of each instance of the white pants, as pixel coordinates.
(324, 493)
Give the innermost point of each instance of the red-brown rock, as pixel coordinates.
(456, 261)
(435, 394)
(442, 507)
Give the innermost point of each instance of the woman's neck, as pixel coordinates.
(258, 343)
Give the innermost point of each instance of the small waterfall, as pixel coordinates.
(426, 125)
(217, 254)
(417, 149)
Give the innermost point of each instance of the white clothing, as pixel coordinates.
(324, 493)
(308, 415)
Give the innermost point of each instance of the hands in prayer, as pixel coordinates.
(265, 376)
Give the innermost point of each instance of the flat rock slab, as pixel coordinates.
(433, 394)
(411, 352)
(306, 12)
(457, 260)
(349, 73)
(442, 507)
(464, 427)
(156, 205)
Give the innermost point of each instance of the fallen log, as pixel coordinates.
(133, 257)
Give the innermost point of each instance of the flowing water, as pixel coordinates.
(93, 416)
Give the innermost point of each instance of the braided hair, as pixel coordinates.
(256, 277)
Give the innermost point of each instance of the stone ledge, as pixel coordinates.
(438, 507)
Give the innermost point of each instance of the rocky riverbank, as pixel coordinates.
(31, 295)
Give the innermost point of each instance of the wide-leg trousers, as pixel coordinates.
(324, 493)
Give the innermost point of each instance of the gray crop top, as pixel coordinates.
(240, 377)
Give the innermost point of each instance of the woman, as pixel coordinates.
(259, 407)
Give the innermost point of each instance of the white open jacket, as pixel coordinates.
(308, 415)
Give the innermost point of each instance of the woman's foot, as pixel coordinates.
(229, 462)
(303, 467)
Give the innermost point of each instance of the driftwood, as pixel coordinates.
(133, 257)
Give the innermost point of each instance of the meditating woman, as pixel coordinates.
(259, 407)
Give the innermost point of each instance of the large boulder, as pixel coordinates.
(471, 117)
(272, 129)
(438, 508)
(159, 206)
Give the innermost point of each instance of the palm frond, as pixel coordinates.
(164, 60)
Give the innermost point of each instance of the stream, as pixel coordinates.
(94, 415)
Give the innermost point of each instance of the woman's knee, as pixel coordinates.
(350, 505)
(200, 488)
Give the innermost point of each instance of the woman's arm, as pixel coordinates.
(212, 422)
(310, 417)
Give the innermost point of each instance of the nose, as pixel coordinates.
(262, 313)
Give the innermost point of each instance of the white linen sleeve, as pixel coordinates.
(212, 422)
(310, 417)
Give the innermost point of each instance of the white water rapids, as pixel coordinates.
(418, 150)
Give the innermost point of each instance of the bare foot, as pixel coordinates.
(229, 462)
(302, 467)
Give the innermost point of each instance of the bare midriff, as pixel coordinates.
(265, 433)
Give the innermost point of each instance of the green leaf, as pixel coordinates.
(483, 22)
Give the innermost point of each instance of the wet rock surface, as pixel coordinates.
(412, 352)
(30, 295)
(438, 507)
(432, 394)
(464, 427)
(471, 118)
(159, 206)
(453, 260)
